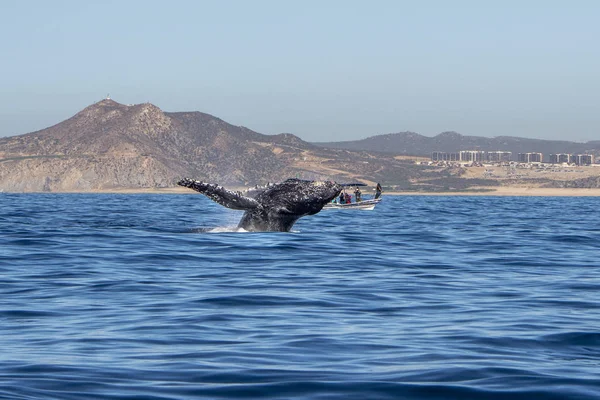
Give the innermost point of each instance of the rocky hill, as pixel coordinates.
(410, 143)
(112, 146)
(109, 145)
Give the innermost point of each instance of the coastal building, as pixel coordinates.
(506, 156)
(562, 158)
(472, 155)
(577, 159)
(530, 157)
(444, 156)
(584, 159)
(499, 156)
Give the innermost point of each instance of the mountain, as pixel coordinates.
(410, 143)
(111, 145)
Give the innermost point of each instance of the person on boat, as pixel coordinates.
(357, 194)
(378, 191)
(348, 198)
(342, 199)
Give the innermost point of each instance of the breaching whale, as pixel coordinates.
(274, 208)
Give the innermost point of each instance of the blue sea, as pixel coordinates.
(138, 296)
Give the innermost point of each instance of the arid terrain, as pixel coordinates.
(110, 146)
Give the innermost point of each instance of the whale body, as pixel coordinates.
(274, 208)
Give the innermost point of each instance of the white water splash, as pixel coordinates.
(225, 229)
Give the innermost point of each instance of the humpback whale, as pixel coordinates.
(274, 208)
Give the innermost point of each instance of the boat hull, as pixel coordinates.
(361, 205)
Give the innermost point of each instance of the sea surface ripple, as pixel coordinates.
(122, 296)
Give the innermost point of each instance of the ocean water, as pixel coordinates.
(106, 296)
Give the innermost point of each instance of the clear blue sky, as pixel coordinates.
(323, 70)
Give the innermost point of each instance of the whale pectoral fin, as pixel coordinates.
(220, 195)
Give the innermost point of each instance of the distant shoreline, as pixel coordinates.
(511, 191)
(495, 191)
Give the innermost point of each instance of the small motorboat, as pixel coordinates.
(345, 200)
(361, 205)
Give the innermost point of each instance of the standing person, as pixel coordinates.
(378, 191)
(342, 199)
(357, 194)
